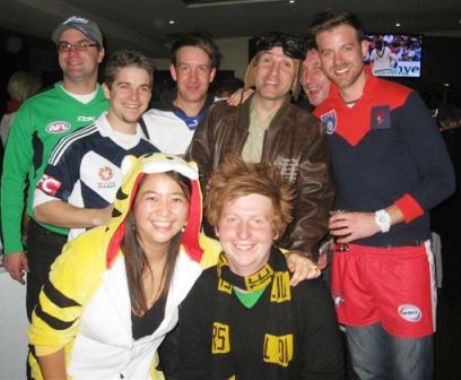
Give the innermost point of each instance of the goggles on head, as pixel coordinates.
(291, 45)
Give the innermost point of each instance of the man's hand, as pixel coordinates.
(322, 263)
(102, 216)
(325, 252)
(17, 266)
(302, 267)
(346, 227)
(239, 96)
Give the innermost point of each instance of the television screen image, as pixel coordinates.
(395, 55)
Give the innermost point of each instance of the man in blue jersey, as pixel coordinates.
(83, 175)
(172, 121)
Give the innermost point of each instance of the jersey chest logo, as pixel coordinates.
(105, 173)
(85, 119)
(329, 122)
(100, 175)
(380, 117)
(57, 127)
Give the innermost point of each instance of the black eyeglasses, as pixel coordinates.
(84, 45)
(292, 45)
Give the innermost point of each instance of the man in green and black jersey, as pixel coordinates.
(40, 123)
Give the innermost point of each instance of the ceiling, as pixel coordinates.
(144, 24)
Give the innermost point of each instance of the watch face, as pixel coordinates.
(383, 220)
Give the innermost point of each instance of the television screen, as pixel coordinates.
(394, 55)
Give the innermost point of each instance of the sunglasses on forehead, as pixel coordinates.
(291, 45)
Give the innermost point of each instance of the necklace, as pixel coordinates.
(353, 101)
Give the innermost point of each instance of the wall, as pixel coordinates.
(441, 75)
(441, 60)
(233, 50)
(235, 55)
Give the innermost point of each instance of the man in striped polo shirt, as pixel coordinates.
(83, 175)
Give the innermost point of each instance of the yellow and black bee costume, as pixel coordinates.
(85, 306)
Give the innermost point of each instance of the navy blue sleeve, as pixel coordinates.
(426, 147)
(60, 176)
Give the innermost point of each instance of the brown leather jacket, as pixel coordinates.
(294, 142)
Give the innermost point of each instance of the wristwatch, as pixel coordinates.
(383, 220)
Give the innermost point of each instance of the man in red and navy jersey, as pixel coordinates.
(391, 168)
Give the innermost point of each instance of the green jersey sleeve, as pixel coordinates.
(17, 163)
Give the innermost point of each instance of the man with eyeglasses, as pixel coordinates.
(40, 123)
(269, 128)
(172, 121)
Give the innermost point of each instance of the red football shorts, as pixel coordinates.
(393, 286)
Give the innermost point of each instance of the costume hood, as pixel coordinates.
(133, 170)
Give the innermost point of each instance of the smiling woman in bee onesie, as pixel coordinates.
(113, 294)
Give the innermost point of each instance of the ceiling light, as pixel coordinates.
(446, 84)
(397, 24)
(212, 3)
(171, 22)
(291, 1)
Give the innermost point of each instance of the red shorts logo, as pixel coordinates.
(410, 313)
(49, 185)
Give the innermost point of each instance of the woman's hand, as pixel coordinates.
(302, 267)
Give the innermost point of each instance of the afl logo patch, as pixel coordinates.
(410, 313)
(57, 127)
(329, 122)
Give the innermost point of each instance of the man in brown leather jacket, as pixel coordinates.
(269, 128)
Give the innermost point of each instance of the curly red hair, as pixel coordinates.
(235, 178)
